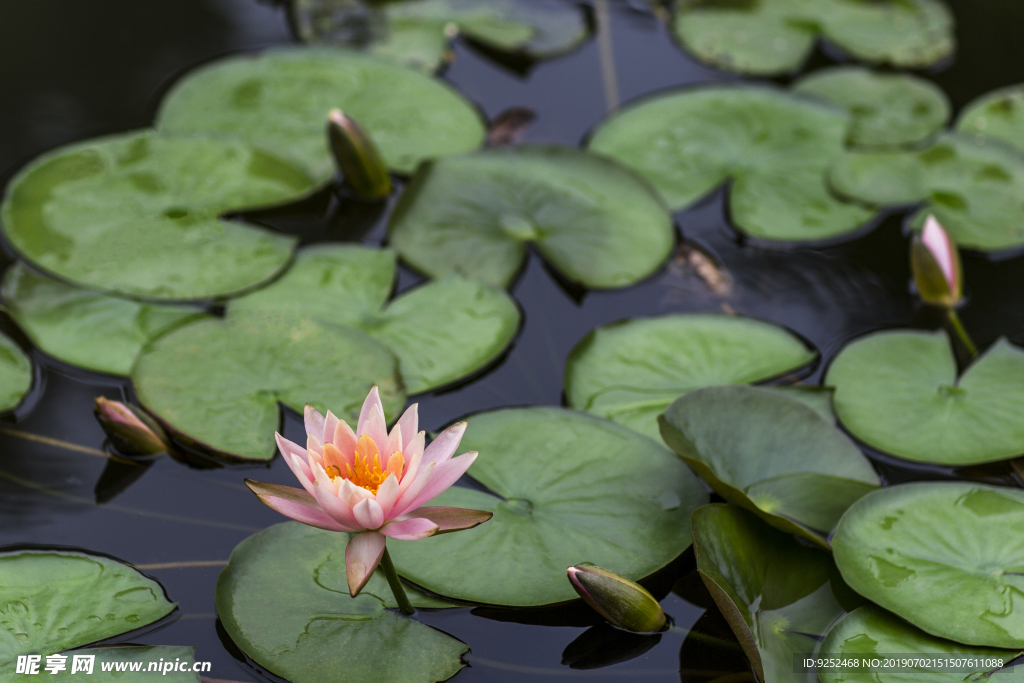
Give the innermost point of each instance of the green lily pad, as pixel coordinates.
(566, 488)
(441, 331)
(417, 32)
(787, 464)
(284, 601)
(15, 374)
(998, 114)
(84, 327)
(775, 147)
(898, 392)
(216, 384)
(886, 110)
(139, 214)
(279, 100)
(778, 595)
(772, 37)
(631, 370)
(114, 657)
(594, 221)
(873, 633)
(946, 556)
(975, 189)
(55, 600)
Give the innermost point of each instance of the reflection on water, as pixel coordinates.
(102, 68)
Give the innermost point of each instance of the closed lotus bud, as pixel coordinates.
(622, 602)
(357, 157)
(935, 262)
(132, 431)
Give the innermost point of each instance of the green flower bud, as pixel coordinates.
(131, 430)
(623, 603)
(357, 157)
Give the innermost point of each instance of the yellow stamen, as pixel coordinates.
(367, 472)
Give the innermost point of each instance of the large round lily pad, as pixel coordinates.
(898, 391)
(778, 595)
(55, 600)
(279, 100)
(15, 374)
(631, 370)
(441, 331)
(593, 220)
(998, 114)
(872, 633)
(774, 146)
(216, 384)
(416, 32)
(565, 488)
(946, 556)
(973, 186)
(139, 214)
(886, 110)
(84, 327)
(771, 454)
(770, 37)
(283, 599)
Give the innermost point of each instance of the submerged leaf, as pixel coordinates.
(566, 488)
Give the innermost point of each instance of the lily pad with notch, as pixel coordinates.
(417, 32)
(775, 148)
(54, 600)
(904, 547)
(630, 371)
(441, 331)
(774, 37)
(140, 214)
(216, 384)
(595, 222)
(778, 595)
(974, 188)
(886, 110)
(998, 115)
(15, 374)
(565, 487)
(899, 392)
(771, 454)
(869, 632)
(84, 327)
(283, 599)
(279, 100)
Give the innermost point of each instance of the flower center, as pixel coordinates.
(366, 471)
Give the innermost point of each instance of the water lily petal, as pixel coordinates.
(442, 448)
(410, 424)
(450, 519)
(409, 529)
(297, 460)
(939, 244)
(295, 504)
(409, 495)
(372, 399)
(345, 439)
(330, 425)
(413, 454)
(352, 494)
(377, 429)
(394, 444)
(387, 495)
(335, 458)
(314, 450)
(314, 422)
(333, 505)
(445, 475)
(368, 514)
(362, 555)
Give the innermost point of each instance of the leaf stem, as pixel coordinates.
(961, 334)
(396, 583)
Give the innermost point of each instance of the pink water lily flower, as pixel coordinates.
(371, 483)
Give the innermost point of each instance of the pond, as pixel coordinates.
(75, 71)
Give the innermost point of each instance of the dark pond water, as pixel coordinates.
(70, 70)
